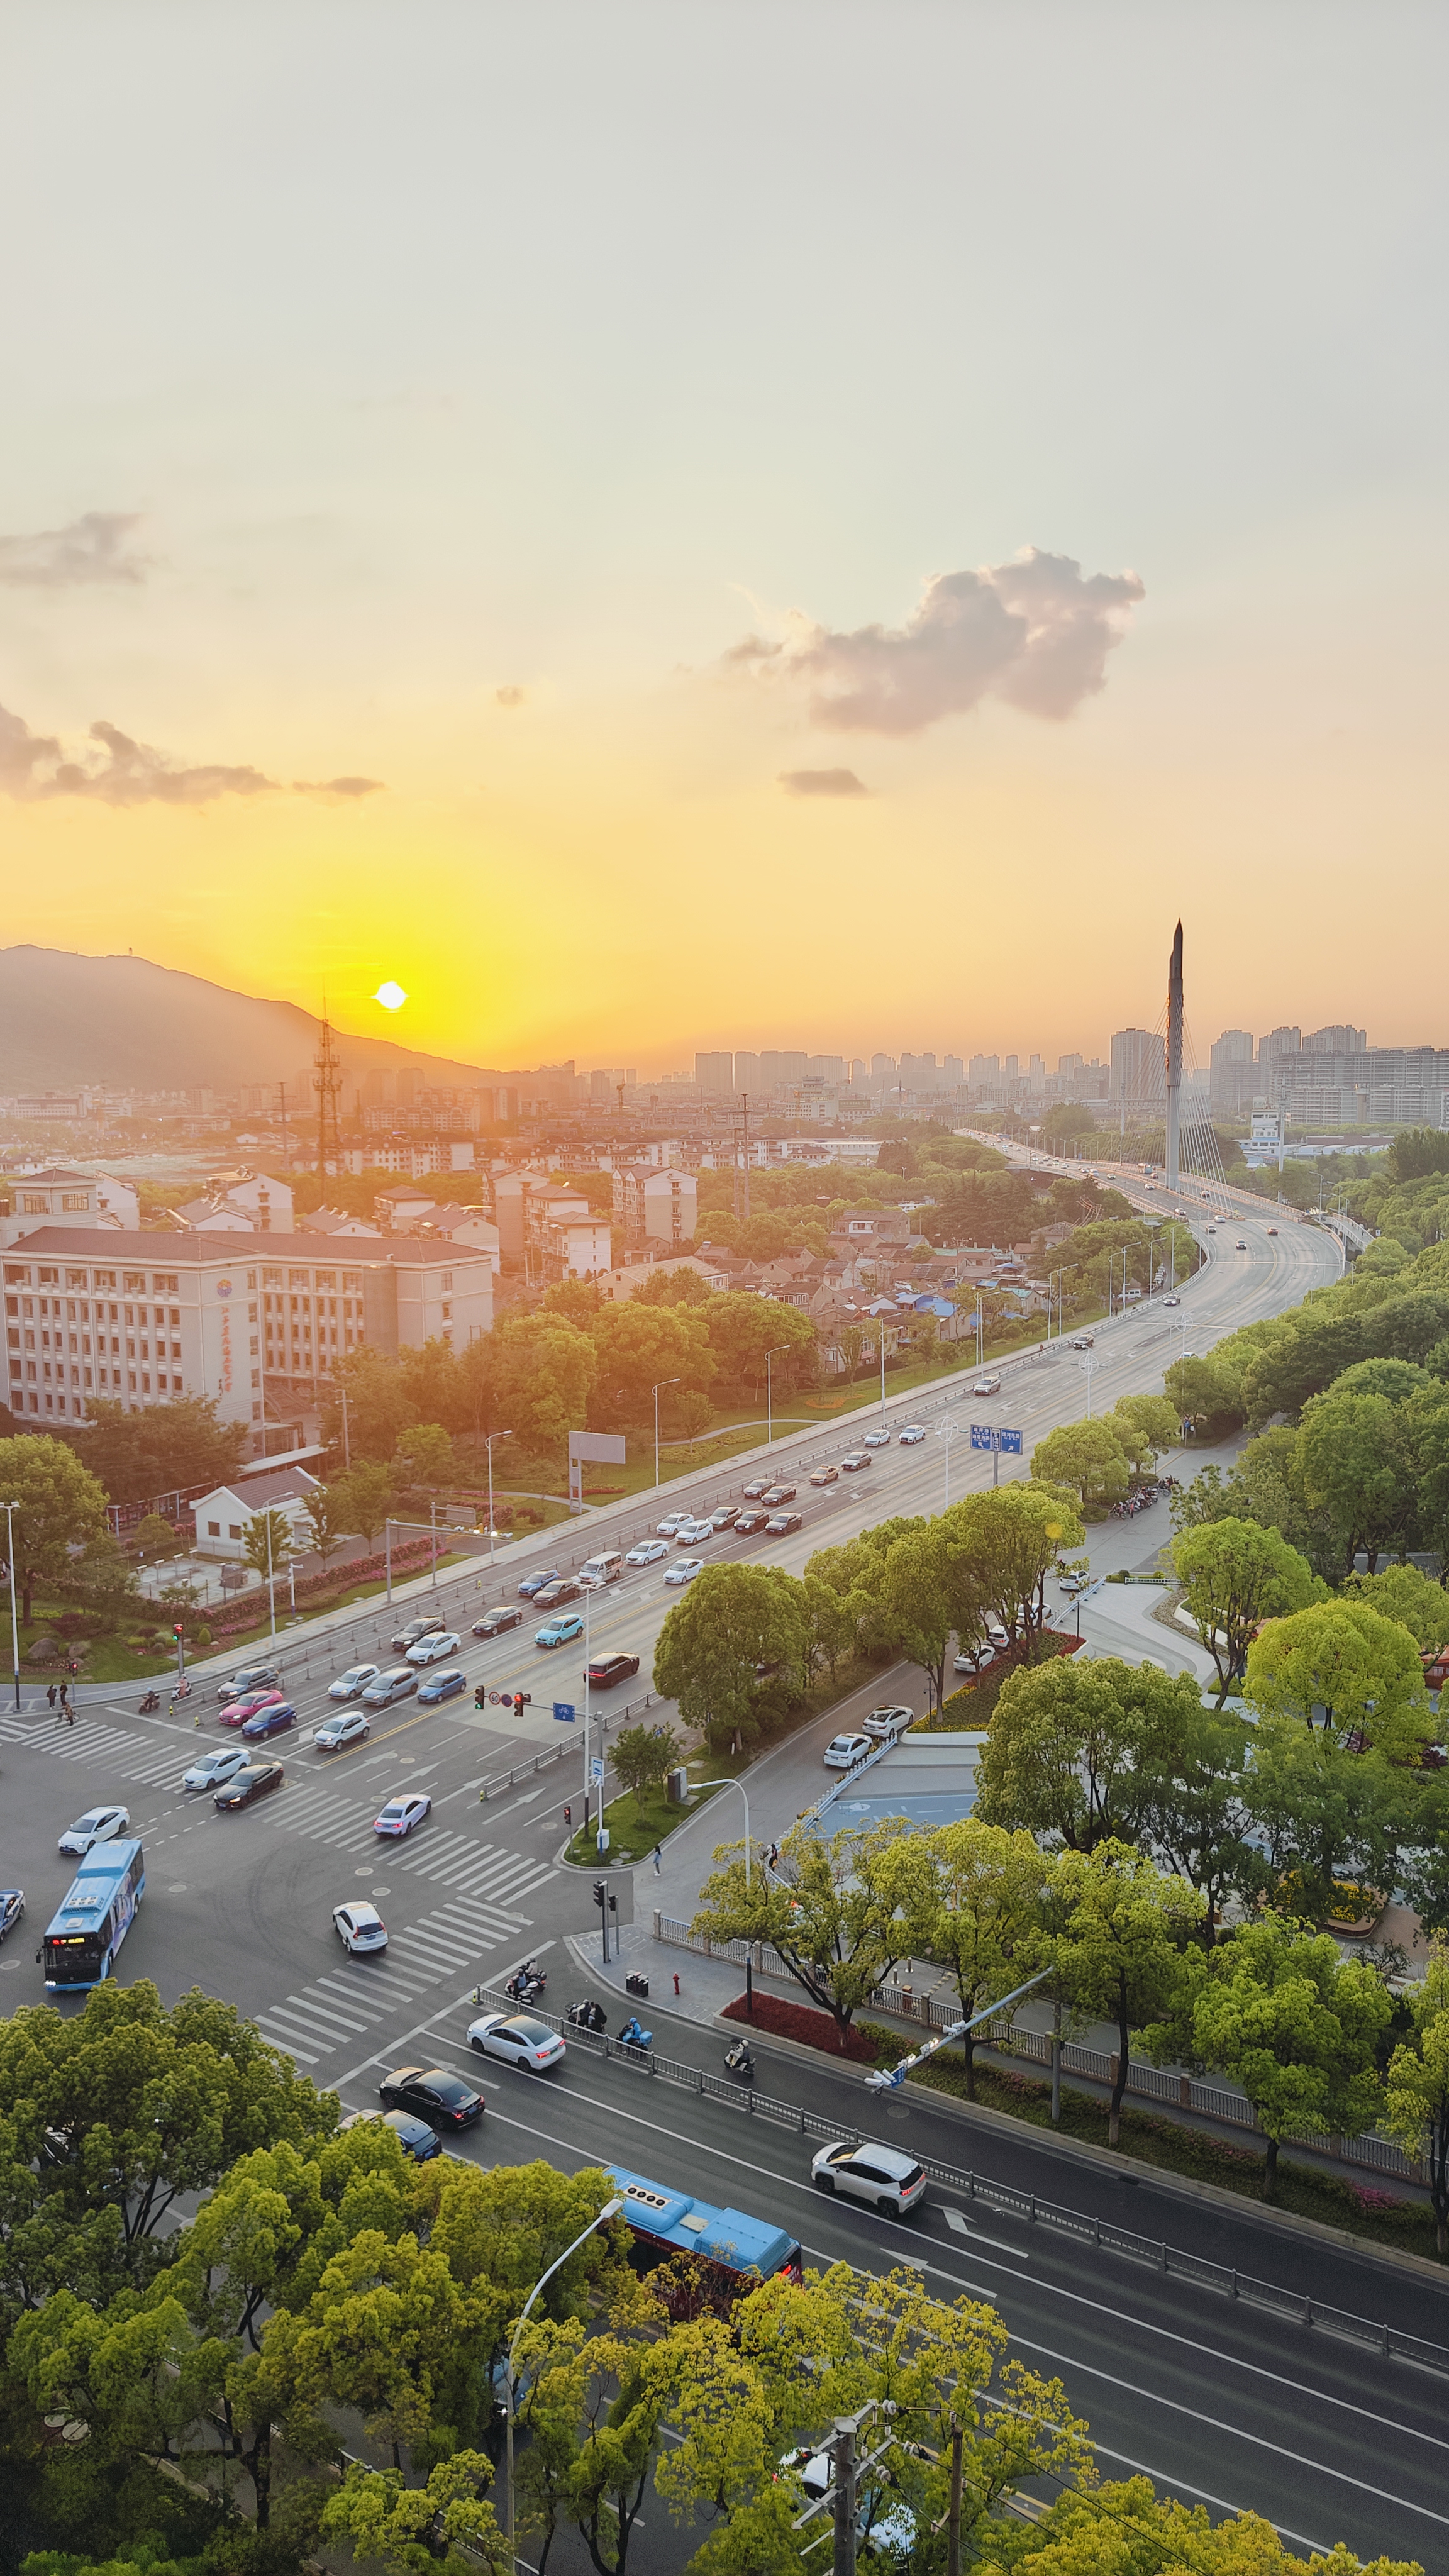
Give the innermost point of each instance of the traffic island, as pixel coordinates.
(637, 1823)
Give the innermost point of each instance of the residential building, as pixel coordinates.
(222, 1517)
(618, 1285)
(30, 1200)
(1279, 1042)
(240, 1202)
(1137, 1065)
(1232, 1076)
(565, 1237)
(714, 1073)
(654, 1206)
(1365, 1087)
(143, 1318)
(1338, 1040)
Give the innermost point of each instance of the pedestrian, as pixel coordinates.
(69, 1712)
(64, 1693)
(657, 1856)
(676, 1981)
(50, 1696)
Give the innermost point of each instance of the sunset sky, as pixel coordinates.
(543, 499)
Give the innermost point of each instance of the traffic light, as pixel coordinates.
(177, 1630)
(600, 1893)
(613, 1902)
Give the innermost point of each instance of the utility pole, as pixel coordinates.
(286, 1140)
(328, 1087)
(843, 2448)
(745, 1155)
(1174, 1056)
(953, 2525)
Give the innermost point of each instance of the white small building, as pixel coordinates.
(223, 1517)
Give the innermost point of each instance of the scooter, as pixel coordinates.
(527, 1984)
(587, 2016)
(150, 1703)
(631, 2036)
(739, 2061)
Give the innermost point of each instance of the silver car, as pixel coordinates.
(351, 1685)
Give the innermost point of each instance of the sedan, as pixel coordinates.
(349, 1684)
(97, 1825)
(875, 1440)
(435, 1649)
(517, 2040)
(555, 1594)
(887, 1723)
(395, 1683)
(1240, 1246)
(359, 1926)
(12, 1906)
(746, 1524)
(442, 2099)
(988, 1385)
(408, 1636)
(442, 1686)
(781, 1524)
(238, 1711)
(858, 1458)
(534, 1583)
(884, 2177)
(648, 1552)
(753, 1492)
(559, 1632)
(401, 1814)
(252, 1677)
(414, 2137)
(778, 1494)
(684, 1572)
(213, 1768)
(1172, 1301)
(257, 1781)
(693, 1533)
(351, 1727)
(912, 1435)
(277, 1720)
(606, 1670)
(844, 1751)
(670, 1523)
(494, 1622)
(1272, 1229)
(725, 1518)
(826, 1476)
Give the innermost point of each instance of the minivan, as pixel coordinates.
(601, 1569)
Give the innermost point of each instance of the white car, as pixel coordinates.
(974, 1659)
(885, 1724)
(1172, 1301)
(693, 1533)
(885, 2177)
(648, 1552)
(359, 1926)
(97, 1825)
(435, 1650)
(401, 1814)
(670, 1523)
(213, 1768)
(349, 1726)
(885, 2528)
(987, 1386)
(875, 1440)
(517, 2039)
(844, 1751)
(684, 1572)
(913, 1433)
(349, 1684)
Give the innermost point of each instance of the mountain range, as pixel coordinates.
(127, 1023)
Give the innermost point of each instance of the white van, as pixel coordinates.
(601, 1570)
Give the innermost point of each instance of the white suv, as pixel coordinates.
(885, 2177)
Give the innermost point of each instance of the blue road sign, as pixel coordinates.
(564, 1708)
(1010, 1442)
(981, 1436)
(988, 1435)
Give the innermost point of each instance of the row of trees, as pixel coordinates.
(1309, 2036)
(905, 1588)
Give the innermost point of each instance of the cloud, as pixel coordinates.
(119, 772)
(92, 548)
(509, 697)
(822, 782)
(338, 786)
(1031, 631)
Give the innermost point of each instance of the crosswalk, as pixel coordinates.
(354, 2000)
(136, 1757)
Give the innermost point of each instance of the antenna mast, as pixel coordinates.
(328, 1087)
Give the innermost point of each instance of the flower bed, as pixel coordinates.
(799, 2021)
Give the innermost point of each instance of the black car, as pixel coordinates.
(415, 1628)
(433, 2094)
(777, 1495)
(781, 1524)
(257, 1781)
(12, 1906)
(605, 1670)
(493, 1622)
(726, 1517)
(551, 1596)
(252, 1677)
(749, 1522)
(754, 1491)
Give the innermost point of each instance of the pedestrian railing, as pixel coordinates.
(1103, 2236)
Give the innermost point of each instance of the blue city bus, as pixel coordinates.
(670, 2222)
(94, 1916)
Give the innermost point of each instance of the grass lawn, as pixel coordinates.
(635, 1825)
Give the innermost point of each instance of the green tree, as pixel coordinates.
(1119, 1954)
(446, 2527)
(59, 1506)
(1090, 1457)
(1355, 1467)
(742, 1329)
(327, 1529)
(362, 1498)
(975, 1908)
(1007, 1543)
(430, 1378)
(1153, 1417)
(1341, 1665)
(139, 1456)
(1075, 1748)
(640, 1346)
(674, 1283)
(1402, 1593)
(1416, 2087)
(267, 1543)
(835, 1907)
(578, 1300)
(1195, 1818)
(1204, 1392)
(733, 1621)
(1122, 2529)
(643, 1757)
(534, 1375)
(1278, 2010)
(379, 1406)
(156, 1536)
(1234, 1576)
(1327, 1819)
(424, 1456)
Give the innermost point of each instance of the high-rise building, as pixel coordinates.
(828, 1068)
(1136, 1065)
(858, 1071)
(984, 1068)
(1069, 1064)
(882, 1068)
(1279, 1042)
(1232, 1081)
(747, 1071)
(953, 1072)
(714, 1072)
(1339, 1039)
(1012, 1068)
(1036, 1072)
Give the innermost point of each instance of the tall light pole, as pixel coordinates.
(610, 2209)
(1086, 1364)
(488, 1439)
(749, 1946)
(1059, 1276)
(776, 1353)
(947, 1432)
(664, 1381)
(10, 1510)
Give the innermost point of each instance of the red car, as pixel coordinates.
(237, 1711)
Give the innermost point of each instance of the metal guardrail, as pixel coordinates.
(1102, 2235)
(568, 1743)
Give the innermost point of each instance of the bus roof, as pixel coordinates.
(697, 2227)
(94, 1884)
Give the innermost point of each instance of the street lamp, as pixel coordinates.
(488, 1439)
(948, 1431)
(610, 2209)
(776, 1353)
(749, 1947)
(1059, 1276)
(10, 1510)
(664, 1381)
